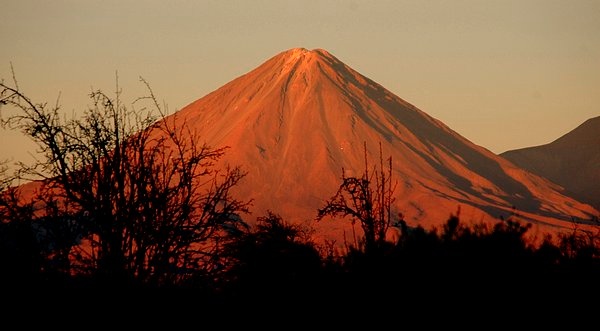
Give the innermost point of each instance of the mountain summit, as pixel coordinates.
(297, 120)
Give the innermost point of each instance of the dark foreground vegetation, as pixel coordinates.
(129, 207)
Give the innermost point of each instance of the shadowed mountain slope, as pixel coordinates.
(572, 161)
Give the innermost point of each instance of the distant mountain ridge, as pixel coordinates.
(300, 117)
(572, 161)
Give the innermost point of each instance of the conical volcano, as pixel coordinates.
(297, 120)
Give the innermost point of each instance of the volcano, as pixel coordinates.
(294, 122)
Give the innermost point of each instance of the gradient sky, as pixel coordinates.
(504, 74)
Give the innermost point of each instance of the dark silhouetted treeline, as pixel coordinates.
(277, 261)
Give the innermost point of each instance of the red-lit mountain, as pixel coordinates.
(572, 161)
(296, 120)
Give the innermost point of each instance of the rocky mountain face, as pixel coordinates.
(298, 120)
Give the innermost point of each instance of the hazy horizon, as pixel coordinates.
(504, 74)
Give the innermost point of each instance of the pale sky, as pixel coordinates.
(504, 74)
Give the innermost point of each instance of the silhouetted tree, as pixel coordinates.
(367, 199)
(20, 253)
(146, 191)
(274, 259)
(580, 251)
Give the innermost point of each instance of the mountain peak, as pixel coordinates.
(294, 56)
(303, 52)
(295, 121)
(296, 51)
